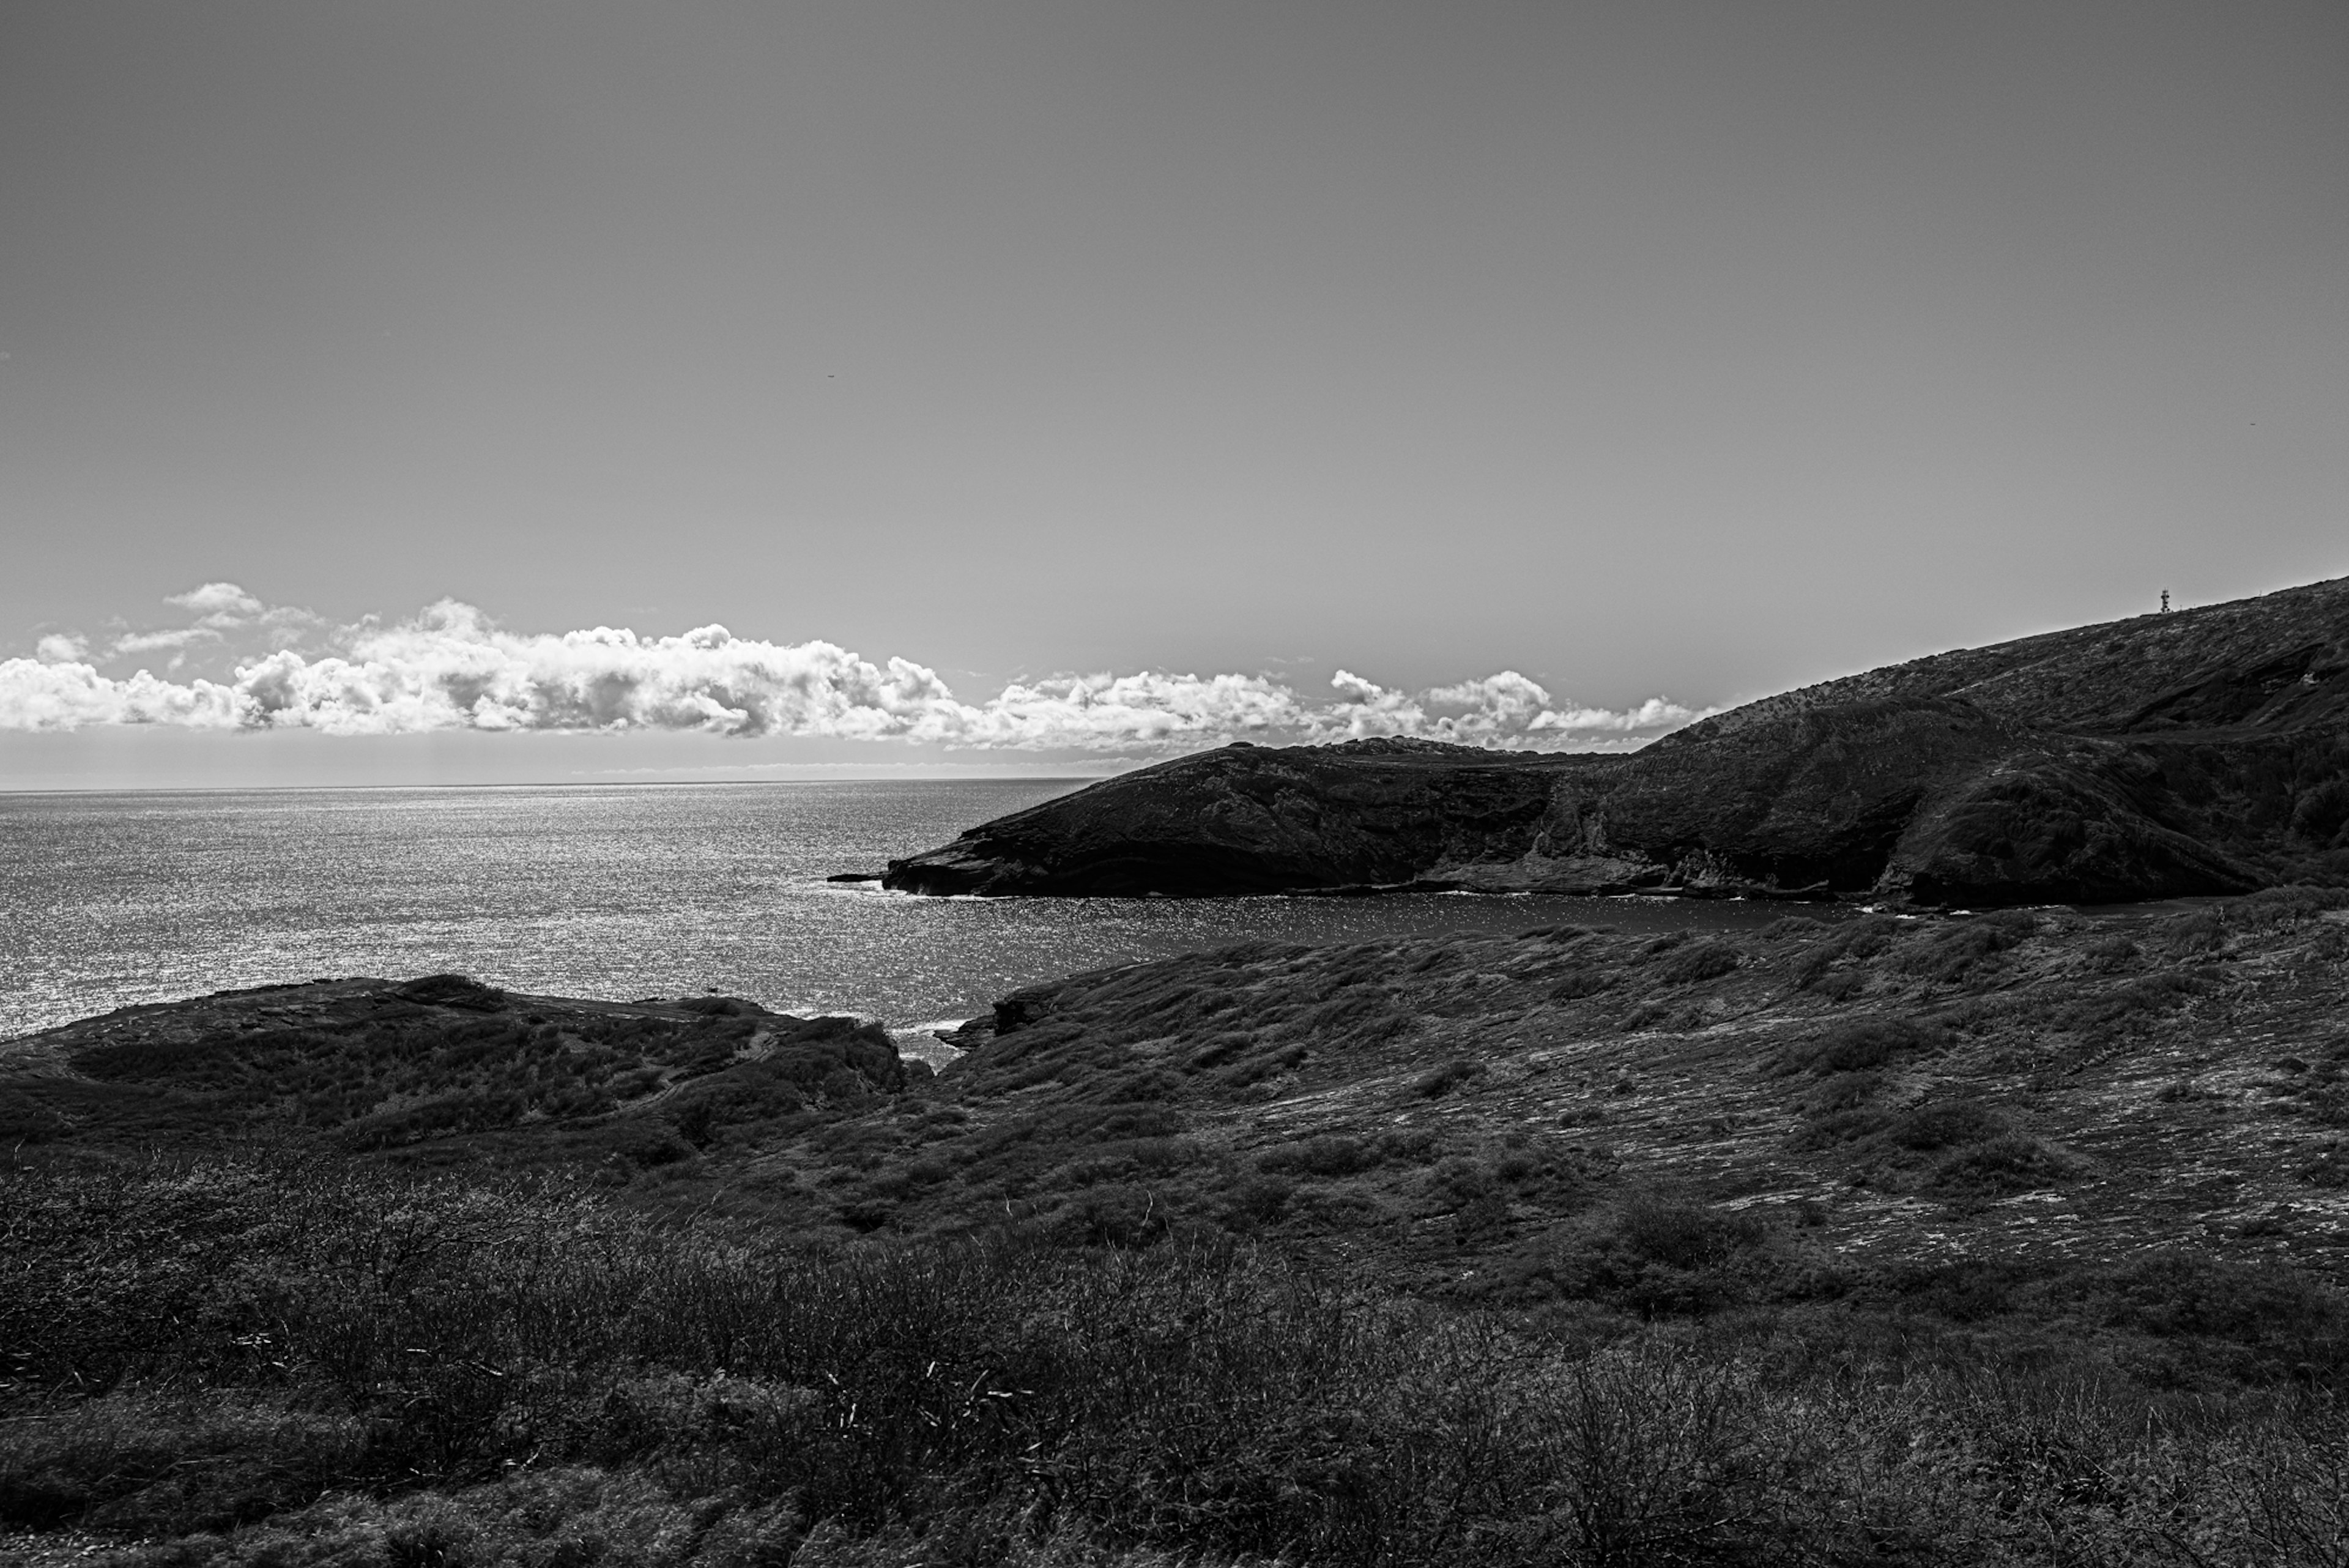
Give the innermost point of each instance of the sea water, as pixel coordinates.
(616, 892)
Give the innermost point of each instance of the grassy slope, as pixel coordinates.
(1232, 1253)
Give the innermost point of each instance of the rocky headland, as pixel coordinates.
(2199, 752)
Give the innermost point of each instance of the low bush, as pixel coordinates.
(2132, 1005)
(1870, 936)
(1579, 981)
(1331, 1155)
(1264, 1064)
(1699, 962)
(1944, 1126)
(2109, 952)
(1956, 951)
(1861, 1044)
(1840, 985)
(1844, 1091)
(1997, 1166)
(2202, 931)
(1439, 1081)
(1686, 1236)
(2293, 906)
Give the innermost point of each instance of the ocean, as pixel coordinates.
(617, 892)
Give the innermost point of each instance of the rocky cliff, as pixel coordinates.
(2195, 753)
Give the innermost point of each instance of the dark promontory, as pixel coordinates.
(2202, 752)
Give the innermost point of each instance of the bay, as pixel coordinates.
(613, 892)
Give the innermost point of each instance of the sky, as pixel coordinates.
(446, 392)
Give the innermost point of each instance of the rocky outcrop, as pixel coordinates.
(2204, 752)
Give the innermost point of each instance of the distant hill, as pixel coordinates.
(2203, 751)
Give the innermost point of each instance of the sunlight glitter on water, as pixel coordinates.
(613, 892)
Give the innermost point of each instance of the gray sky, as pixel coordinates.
(1648, 348)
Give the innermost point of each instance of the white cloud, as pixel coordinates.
(59, 648)
(451, 668)
(1149, 710)
(218, 599)
(69, 695)
(137, 642)
(1657, 713)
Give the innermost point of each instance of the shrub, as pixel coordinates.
(1459, 1179)
(1684, 1235)
(1699, 961)
(1331, 1155)
(652, 1143)
(2132, 1004)
(1996, 1166)
(1865, 937)
(1861, 1043)
(1945, 1126)
(1580, 981)
(1841, 985)
(1437, 1082)
(2204, 930)
(1813, 966)
(1845, 1090)
(1408, 1145)
(1265, 1064)
(2109, 952)
(1957, 949)
(2286, 1322)
(1829, 1128)
(1223, 1048)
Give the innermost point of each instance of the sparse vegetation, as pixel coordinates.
(1373, 1254)
(251, 1361)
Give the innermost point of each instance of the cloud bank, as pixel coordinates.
(450, 668)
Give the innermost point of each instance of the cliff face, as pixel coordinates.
(2201, 752)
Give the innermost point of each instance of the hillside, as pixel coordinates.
(2201, 753)
(2014, 1237)
(1446, 1115)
